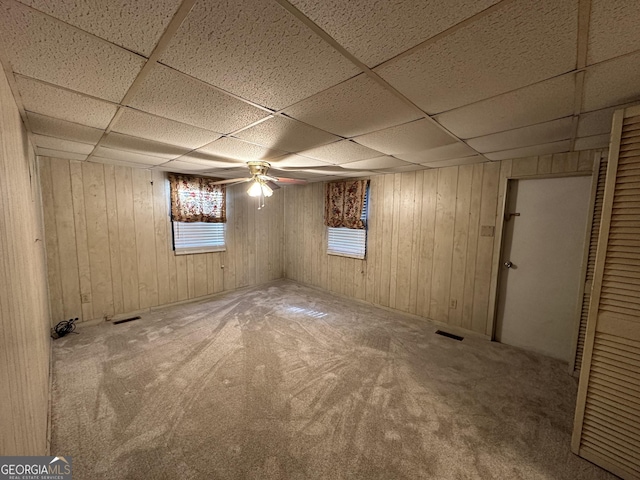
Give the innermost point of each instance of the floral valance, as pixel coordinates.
(197, 199)
(344, 202)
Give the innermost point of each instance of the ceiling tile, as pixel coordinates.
(55, 102)
(171, 94)
(375, 31)
(178, 166)
(612, 83)
(296, 161)
(596, 122)
(537, 103)
(410, 137)
(455, 150)
(75, 59)
(63, 145)
(555, 147)
(456, 161)
(337, 172)
(375, 163)
(121, 163)
(227, 147)
(286, 134)
(547, 132)
(613, 29)
(140, 124)
(54, 127)
(134, 25)
(230, 172)
(126, 156)
(517, 45)
(47, 152)
(594, 141)
(120, 141)
(341, 152)
(355, 107)
(212, 161)
(262, 54)
(412, 167)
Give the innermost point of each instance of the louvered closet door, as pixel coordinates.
(601, 172)
(607, 424)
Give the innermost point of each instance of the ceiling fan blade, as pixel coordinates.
(268, 178)
(233, 180)
(273, 185)
(291, 181)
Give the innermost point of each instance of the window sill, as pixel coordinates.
(337, 254)
(193, 251)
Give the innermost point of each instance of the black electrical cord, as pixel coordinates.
(64, 327)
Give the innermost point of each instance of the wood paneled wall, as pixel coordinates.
(430, 248)
(24, 312)
(109, 244)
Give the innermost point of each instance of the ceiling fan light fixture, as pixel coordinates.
(255, 190)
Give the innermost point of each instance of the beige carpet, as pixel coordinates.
(286, 382)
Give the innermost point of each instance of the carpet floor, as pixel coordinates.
(283, 381)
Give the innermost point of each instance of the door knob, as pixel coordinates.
(508, 264)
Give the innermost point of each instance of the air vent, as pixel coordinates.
(124, 320)
(449, 335)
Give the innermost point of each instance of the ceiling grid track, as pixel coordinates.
(584, 15)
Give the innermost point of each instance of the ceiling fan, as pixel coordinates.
(262, 184)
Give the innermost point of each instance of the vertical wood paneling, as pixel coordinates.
(95, 205)
(25, 345)
(112, 226)
(426, 246)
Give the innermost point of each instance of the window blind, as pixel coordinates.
(198, 237)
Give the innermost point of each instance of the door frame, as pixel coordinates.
(499, 243)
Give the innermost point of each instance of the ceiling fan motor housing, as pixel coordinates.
(258, 167)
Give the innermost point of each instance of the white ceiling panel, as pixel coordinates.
(135, 25)
(296, 161)
(547, 132)
(227, 147)
(537, 103)
(341, 152)
(412, 167)
(375, 163)
(262, 54)
(121, 163)
(517, 45)
(612, 83)
(555, 147)
(41, 47)
(70, 146)
(286, 134)
(127, 156)
(179, 166)
(171, 94)
(594, 141)
(140, 124)
(213, 161)
(54, 127)
(355, 107)
(410, 137)
(455, 150)
(48, 152)
(456, 161)
(613, 29)
(59, 103)
(120, 141)
(375, 31)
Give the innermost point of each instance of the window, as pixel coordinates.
(198, 214)
(349, 242)
(198, 237)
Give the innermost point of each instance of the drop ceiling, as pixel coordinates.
(321, 90)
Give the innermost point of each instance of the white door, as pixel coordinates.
(541, 263)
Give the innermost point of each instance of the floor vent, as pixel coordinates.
(124, 320)
(450, 335)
